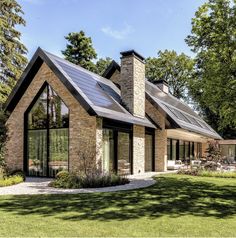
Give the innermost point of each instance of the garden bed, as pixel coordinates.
(68, 180)
(208, 173)
(11, 180)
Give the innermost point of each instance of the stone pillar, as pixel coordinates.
(132, 82)
(99, 141)
(161, 150)
(138, 149)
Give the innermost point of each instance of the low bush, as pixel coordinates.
(11, 180)
(218, 174)
(17, 173)
(193, 172)
(208, 173)
(72, 180)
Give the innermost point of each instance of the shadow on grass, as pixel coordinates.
(169, 196)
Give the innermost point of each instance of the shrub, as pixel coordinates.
(3, 136)
(62, 174)
(208, 173)
(65, 179)
(17, 172)
(217, 174)
(11, 180)
(72, 180)
(193, 172)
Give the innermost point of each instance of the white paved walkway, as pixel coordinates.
(40, 186)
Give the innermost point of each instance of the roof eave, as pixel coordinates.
(37, 60)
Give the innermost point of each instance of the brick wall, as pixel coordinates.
(160, 138)
(83, 130)
(138, 149)
(132, 84)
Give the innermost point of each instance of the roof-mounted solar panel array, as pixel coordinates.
(179, 112)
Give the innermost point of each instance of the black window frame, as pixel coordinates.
(185, 149)
(150, 131)
(26, 129)
(118, 126)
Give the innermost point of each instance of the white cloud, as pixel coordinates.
(118, 34)
(37, 2)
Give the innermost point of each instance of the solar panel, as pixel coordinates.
(110, 91)
(89, 85)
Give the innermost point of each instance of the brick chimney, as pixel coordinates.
(163, 85)
(132, 82)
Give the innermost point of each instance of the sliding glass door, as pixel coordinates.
(149, 153)
(108, 162)
(183, 150)
(123, 153)
(47, 122)
(117, 152)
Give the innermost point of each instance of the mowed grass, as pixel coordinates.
(177, 205)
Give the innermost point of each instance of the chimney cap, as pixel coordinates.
(132, 53)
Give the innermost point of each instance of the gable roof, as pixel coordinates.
(177, 112)
(98, 95)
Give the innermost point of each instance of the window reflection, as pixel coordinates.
(48, 122)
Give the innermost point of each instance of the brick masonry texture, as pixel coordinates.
(83, 130)
(160, 135)
(160, 138)
(138, 149)
(133, 85)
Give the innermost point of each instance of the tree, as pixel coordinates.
(102, 64)
(12, 51)
(80, 50)
(175, 69)
(3, 137)
(213, 41)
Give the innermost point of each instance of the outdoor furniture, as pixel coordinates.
(174, 164)
(196, 164)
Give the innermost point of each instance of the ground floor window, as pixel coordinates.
(149, 152)
(117, 151)
(47, 134)
(229, 152)
(183, 150)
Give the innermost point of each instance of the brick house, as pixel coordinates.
(60, 112)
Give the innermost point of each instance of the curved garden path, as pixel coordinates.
(40, 186)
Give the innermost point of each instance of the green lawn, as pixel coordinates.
(175, 206)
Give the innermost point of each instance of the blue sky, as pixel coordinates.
(114, 25)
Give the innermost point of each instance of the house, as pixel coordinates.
(61, 113)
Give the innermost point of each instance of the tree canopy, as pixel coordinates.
(12, 51)
(213, 40)
(80, 51)
(102, 64)
(176, 69)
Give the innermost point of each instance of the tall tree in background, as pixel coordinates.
(102, 64)
(12, 51)
(80, 51)
(175, 69)
(213, 39)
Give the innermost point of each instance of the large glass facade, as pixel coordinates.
(174, 150)
(117, 151)
(47, 135)
(108, 163)
(229, 152)
(149, 152)
(169, 157)
(183, 150)
(123, 153)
